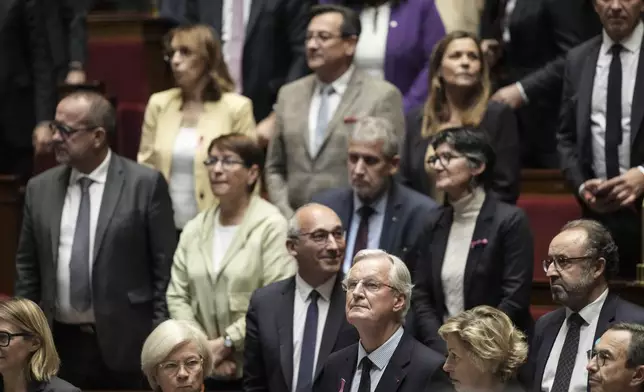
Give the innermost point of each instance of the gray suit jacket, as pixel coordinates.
(134, 244)
(293, 176)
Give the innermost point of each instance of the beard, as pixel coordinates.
(571, 294)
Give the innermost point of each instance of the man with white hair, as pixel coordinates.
(386, 358)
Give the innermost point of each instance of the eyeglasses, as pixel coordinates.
(227, 163)
(561, 262)
(321, 237)
(5, 337)
(66, 130)
(600, 356)
(171, 368)
(370, 285)
(444, 158)
(321, 37)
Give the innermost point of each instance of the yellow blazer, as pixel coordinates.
(218, 301)
(161, 124)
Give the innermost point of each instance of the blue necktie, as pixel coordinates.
(309, 338)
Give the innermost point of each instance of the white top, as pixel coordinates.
(339, 86)
(372, 45)
(579, 379)
(379, 357)
(222, 237)
(227, 26)
(182, 176)
(630, 60)
(509, 8)
(65, 313)
(376, 222)
(300, 308)
(459, 242)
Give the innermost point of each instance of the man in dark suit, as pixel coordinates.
(28, 91)
(96, 248)
(581, 260)
(263, 45)
(378, 212)
(601, 132)
(283, 351)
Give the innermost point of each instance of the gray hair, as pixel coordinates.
(599, 243)
(374, 129)
(165, 338)
(101, 113)
(399, 275)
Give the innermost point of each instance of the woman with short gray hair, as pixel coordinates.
(476, 250)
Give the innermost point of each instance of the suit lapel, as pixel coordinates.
(57, 203)
(584, 97)
(206, 243)
(438, 246)
(391, 223)
(334, 320)
(550, 333)
(111, 195)
(606, 315)
(285, 331)
(396, 370)
(253, 17)
(301, 110)
(637, 107)
(481, 230)
(345, 209)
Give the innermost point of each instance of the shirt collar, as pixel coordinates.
(340, 84)
(304, 289)
(379, 206)
(98, 175)
(590, 312)
(382, 355)
(632, 43)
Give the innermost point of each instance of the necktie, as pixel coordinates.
(235, 43)
(309, 338)
(323, 117)
(614, 113)
(568, 355)
(79, 279)
(365, 377)
(362, 236)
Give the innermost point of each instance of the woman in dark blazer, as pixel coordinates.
(459, 96)
(395, 43)
(29, 358)
(476, 250)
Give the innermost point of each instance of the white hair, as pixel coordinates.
(375, 129)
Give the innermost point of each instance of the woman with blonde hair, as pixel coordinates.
(28, 358)
(180, 122)
(459, 97)
(485, 350)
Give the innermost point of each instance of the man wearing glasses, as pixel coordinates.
(581, 260)
(95, 248)
(293, 325)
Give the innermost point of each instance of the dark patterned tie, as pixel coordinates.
(365, 377)
(362, 236)
(79, 279)
(566, 363)
(614, 113)
(309, 338)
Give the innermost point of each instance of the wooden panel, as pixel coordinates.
(630, 291)
(11, 199)
(543, 182)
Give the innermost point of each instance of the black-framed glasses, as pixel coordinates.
(66, 130)
(562, 262)
(443, 158)
(370, 285)
(600, 356)
(227, 163)
(321, 237)
(5, 337)
(171, 368)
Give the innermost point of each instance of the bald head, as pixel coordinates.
(98, 111)
(305, 217)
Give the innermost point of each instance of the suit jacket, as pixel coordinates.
(218, 300)
(293, 176)
(415, 26)
(275, 35)
(406, 215)
(268, 358)
(413, 367)
(574, 135)
(26, 71)
(55, 384)
(134, 242)
(615, 310)
(500, 125)
(497, 273)
(161, 125)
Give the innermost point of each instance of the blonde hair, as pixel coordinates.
(168, 336)
(436, 111)
(28, 317)
(203, 40)
(493, 343)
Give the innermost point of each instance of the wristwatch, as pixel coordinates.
(228, 342)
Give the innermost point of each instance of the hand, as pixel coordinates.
(266, 129)
(509, 95)
(75, 76)
(492, 51)
(595, 199)
(218, 350)
(624, 189)
(42, 139)
(226, 368)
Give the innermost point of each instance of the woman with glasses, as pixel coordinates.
(485, 351)
(459, 93)
(179, 123)
(175, 357)
(228, 251)
(475, 250)
(28, 358)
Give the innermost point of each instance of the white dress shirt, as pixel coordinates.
(65, 313)
(380, 358)
(376, 222)
(372, 45)
(227, 26)
(339, 86)
(630, 59)
(300, 308)
(182, 176)
(222, 237)
(509, 9)
(579, 379)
